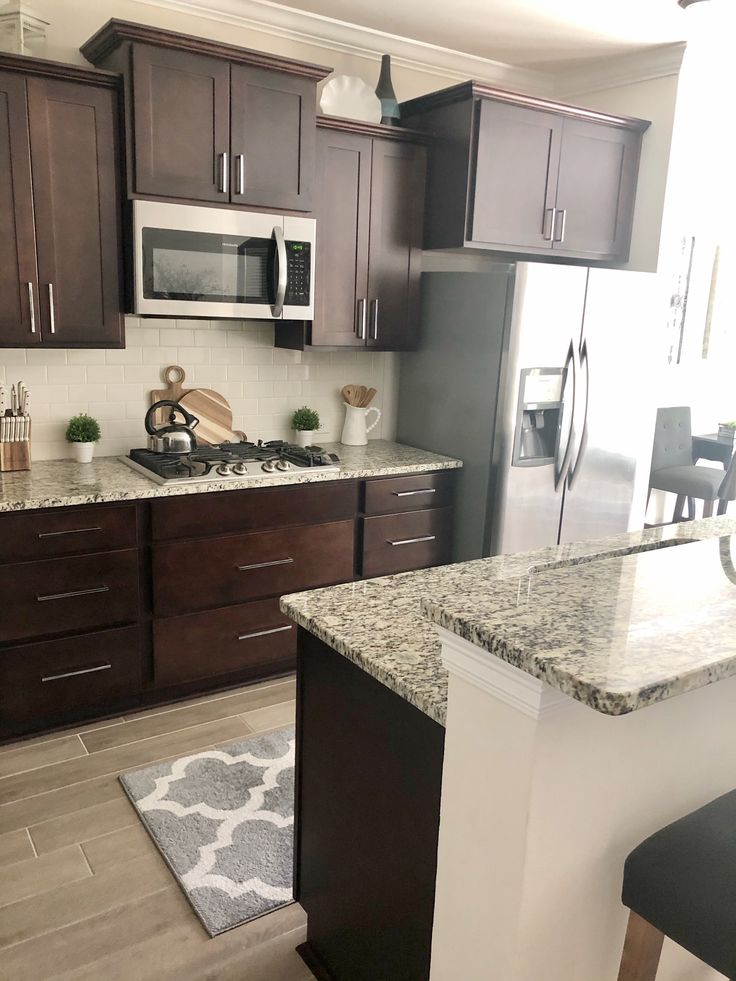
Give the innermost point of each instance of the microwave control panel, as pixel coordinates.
(298, 273)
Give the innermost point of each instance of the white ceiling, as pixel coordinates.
(552, 35)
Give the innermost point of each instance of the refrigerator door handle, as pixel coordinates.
(575, 468)
(562, 465)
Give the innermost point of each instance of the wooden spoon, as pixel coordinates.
(368, 398)
(360, 393)
(349, 394)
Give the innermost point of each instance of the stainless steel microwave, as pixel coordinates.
(216, 262)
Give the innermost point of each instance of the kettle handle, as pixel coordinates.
(189, 419)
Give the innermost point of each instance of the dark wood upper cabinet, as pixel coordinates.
(526, 176)
(213, 122)
(60, 213)
(181, 124)
(18, 279)
(369, 204)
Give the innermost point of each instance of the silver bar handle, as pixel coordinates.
(575, 466)
(548, 224)
(69, 531)
(412, 541)
(223, 173)
(361, 324)
(52, 312)
(424, 490)
(32, 308)
(72, 593)
(265, 633)
(278, 307)
(264, 565)
(75, 674)
(562, 465)
(240, 174)
(374, 320)
(561, 236)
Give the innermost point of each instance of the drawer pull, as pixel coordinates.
(264, 565)
(412, 541)
(74, 674)
(73, 593)
(425, 490)
(70, 531)
(264, 633)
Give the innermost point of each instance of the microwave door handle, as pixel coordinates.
(280, 272)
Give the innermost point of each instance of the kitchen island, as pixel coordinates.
(561, 699)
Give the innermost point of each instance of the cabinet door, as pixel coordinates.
(181, 124)
(272, 139)
(76, 192)
(398, 177)
(596, 189)
(343, 214)
(18, 280)
(515, 176)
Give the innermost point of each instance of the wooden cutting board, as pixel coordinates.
(212, 409)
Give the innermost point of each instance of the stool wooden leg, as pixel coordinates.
(642, 950)
(707, 509)
(679, 508)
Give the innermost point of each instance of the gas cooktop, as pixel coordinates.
(230, 461)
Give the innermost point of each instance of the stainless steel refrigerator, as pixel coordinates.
(538, 377)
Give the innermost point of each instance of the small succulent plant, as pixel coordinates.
(83, 429)
(305, 419)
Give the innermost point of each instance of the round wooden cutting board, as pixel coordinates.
(214, 414)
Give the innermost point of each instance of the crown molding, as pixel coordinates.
(495, 677)
(608, 73)
(282, 21)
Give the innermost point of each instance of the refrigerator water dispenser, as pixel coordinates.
(538, 417)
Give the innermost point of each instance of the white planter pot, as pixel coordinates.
(83, 452)
(305, 437)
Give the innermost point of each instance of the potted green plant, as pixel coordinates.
(727, 431)
(305, 423)
(83, 432)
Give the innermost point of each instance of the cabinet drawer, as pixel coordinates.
(66, 531)
(237, 512)
(237, 638)
(42, 684)
(400, 542)
(76, 593)
(215, 572)
(413, 493)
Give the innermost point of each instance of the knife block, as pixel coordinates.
(15, 455)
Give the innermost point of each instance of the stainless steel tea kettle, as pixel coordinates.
(174, 437)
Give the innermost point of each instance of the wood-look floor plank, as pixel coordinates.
(56, 734)
(90, 822)
(37, 875)
(271, 716)
(185, 717)
(15, 846)
(65, 800)
(95, 937)
(60, 907)
(120, 846)
(42, 754)
(121, 758)
(210, 697)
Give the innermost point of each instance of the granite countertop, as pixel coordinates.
(60, 483)
(384, 626)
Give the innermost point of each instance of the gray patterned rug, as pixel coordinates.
(224, 822)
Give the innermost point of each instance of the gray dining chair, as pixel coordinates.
(674, 471)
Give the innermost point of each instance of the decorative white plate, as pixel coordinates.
(350, 97)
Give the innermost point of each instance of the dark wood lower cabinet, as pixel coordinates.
(368, 780)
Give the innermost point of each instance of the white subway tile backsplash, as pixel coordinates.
(263, 385)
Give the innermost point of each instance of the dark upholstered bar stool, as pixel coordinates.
(681, 883)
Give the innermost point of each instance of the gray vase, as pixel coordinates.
(390, 114)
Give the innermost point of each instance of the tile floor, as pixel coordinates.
(84, 893)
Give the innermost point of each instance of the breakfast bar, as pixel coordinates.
(541, 714)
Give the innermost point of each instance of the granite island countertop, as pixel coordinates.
(386, 627)
(63, 483)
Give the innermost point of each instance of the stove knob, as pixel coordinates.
(240, 469)
(283, 465)
(268, 466)
(224, 469)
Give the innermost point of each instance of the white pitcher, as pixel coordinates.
(355, 432)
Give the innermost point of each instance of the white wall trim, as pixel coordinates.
(337, 35)
(608, 73)
(514, 687)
